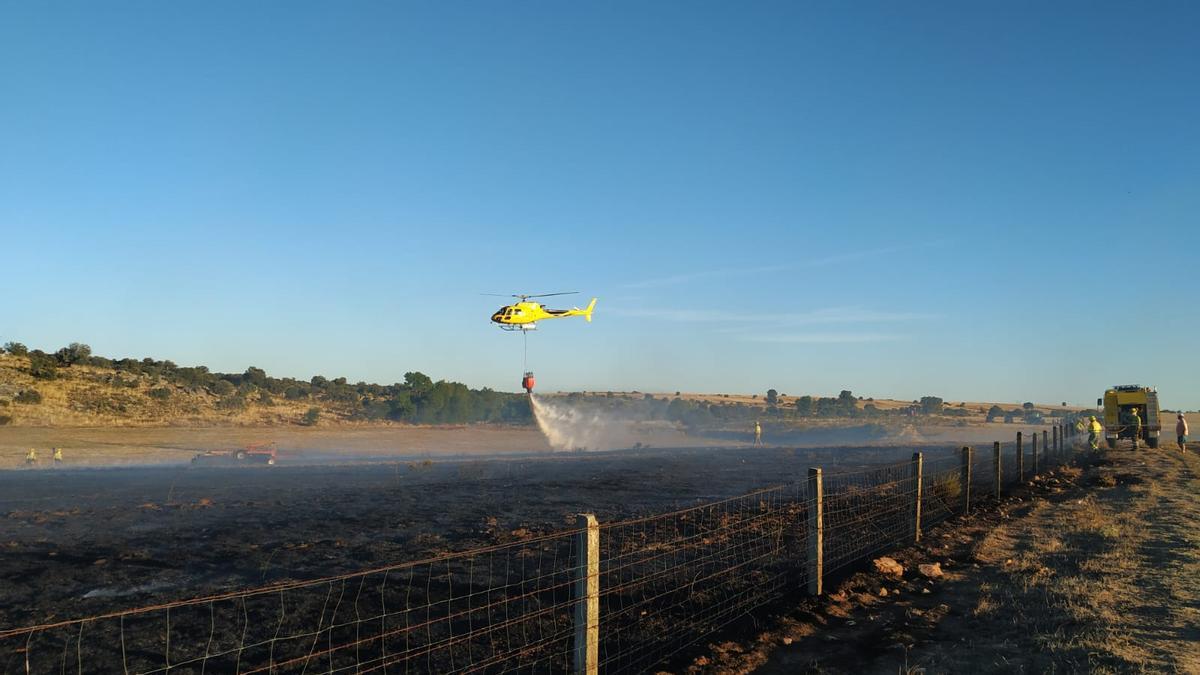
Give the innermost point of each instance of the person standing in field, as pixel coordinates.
(31, 458)
(1094, 431)
(757, 433)
(1181, 432)
(57, 456)
(1136, 422)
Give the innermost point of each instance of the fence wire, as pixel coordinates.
(666, 582)
(866, 512)
(501, 608)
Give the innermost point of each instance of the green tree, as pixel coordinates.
(76, 352)
(994, 412)
(255, 376)
(418, 382)
(931, 405)
(311, 416)
(42, 366)
(16, 349)
(772, 397)
(847, 403)
(805, 406)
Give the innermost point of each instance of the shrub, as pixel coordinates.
(232, 403)
(76, 352)
(16, 349)
(42, 367)
(5, 419)
(310, 418)
(294, 393)
(264, 398)
(159, 393)
(222, 388)
(29, 397)
(948, 488)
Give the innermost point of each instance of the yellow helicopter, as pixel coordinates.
(524, 315)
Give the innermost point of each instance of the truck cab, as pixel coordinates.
(1119, 402)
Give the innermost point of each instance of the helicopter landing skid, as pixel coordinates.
(523, 327)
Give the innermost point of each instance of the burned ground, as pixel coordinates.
(82, 542)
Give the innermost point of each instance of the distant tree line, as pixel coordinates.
(417, 400)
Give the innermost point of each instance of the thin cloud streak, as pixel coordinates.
(710, 274)
(831, 315)
(745, 271)
(823, 338)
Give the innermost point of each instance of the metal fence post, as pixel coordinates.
(587, 596)
(996, 466)
(1020, 458)
(918, 467)
(1056, 448)
(1035, 453)
(966, 479)
(1045, 445)
(816, 533)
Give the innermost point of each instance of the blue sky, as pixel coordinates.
(974, 200)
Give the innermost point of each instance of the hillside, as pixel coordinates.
(74, 388)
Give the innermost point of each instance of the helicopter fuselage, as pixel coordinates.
(525, 315)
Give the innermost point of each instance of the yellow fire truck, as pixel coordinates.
(1119, 403)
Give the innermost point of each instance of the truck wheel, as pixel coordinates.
(1152, 442)
(241, 455)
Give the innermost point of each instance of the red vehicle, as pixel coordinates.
(255, 453)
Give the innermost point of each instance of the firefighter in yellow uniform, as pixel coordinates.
(1094, 431)
(57, 456)
(757, 433)
(31, 458)
(1136, 422)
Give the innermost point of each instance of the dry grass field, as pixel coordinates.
(1094, 568)
(90, 396)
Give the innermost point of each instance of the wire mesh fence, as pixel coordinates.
(664, 583)
(867, 512)
(667, 581)
(507, 605)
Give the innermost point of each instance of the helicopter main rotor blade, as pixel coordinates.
(546, 295)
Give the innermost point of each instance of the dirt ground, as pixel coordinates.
(109, 446)
(78, 542)
(1090, 569)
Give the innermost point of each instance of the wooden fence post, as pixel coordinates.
(918, 466)
(587, 596)
(966, 479)
(996, 467)
(1056, 447)
(1020, 459)
(1035, 454)
(816, 533)
(1045, 443)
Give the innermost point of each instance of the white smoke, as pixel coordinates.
(578, 425)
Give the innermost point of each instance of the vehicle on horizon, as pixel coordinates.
(1118, 402)
(523, 315)
(255, 453)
